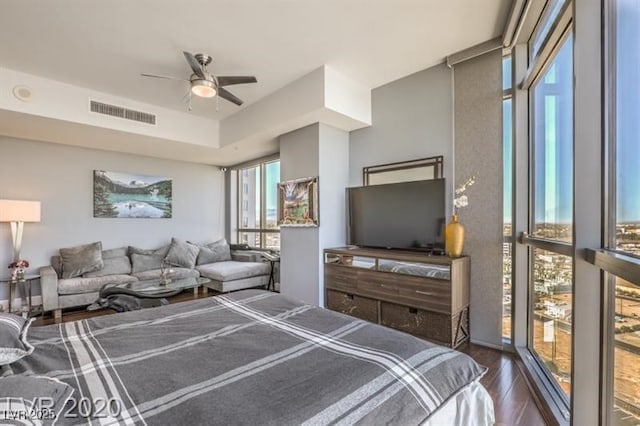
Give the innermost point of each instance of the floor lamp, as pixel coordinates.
(17, 213)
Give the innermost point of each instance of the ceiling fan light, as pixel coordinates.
(203, 88)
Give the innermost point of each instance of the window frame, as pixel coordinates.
(527, 71)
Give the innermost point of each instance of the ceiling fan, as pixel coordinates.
(205, 84)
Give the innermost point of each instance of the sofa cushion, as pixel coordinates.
(176, 274)
(181, 253)
(145, 262)
(160, 251)
(116, 252)
(231, 270)
(217, 251)
(88, 285)
(112, 266)
(80, 259)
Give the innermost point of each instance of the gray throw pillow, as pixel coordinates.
(112, 266)
(181, 253)
(145, 262)
(13, 338)
(78, 260)
(116, 252)
(159, 251)
(21, 392)
(218, 251)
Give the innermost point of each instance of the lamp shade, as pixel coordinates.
(19, 211)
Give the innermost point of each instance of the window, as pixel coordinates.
(625, 234)
(258, 203)
(549, 17)
(551, 280)
(507, 159)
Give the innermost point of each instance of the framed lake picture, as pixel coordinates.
(129, 195)
(298, 202)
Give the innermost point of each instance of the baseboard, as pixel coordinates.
(35, 301)
(486, 344)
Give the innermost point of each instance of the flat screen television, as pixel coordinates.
(407, 215)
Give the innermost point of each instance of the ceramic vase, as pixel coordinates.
(454, 237)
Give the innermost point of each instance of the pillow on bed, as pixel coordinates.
(22, 391)
(13, 338)
(181, 253)
(81, 259)
(218, 251)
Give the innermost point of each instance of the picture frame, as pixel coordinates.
(298, 203)
(129, 195)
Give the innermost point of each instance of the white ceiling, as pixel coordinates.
(105, 45)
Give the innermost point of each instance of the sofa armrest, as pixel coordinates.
(246, 256)
(49, 288)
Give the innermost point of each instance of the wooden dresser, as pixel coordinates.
(424, 295)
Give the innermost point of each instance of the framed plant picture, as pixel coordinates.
(298, 202)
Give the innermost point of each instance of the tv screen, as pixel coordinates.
(407, 215)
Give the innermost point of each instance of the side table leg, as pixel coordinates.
(57, 314)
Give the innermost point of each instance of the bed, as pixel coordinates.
(252, 357)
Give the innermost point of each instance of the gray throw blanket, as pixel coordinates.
(251, 357)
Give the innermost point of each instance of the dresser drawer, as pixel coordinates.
(376, 284)
(340, 277)
(419, 322)
(355, 306)
(428, 295)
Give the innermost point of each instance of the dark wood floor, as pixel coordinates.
(513, 400)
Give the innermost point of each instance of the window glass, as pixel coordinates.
(257, 201)
(552, 314)
(626, 319)
(553, 148)
(272, 177)
(626, 377)
(628, 127)
(507, 179)
(506, 73)
(541, 32)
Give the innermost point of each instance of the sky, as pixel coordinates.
(554, 134)
(628, 111)
(273, 177)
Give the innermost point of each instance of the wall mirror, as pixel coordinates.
(404, 171)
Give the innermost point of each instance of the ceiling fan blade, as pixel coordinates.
(163, 76)
(195, 65)
(229, 80)
(225, 94)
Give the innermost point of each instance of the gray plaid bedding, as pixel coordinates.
(251, 357)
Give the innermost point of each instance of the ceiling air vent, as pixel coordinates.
(128, 114)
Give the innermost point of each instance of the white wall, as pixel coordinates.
(333, 160)
(61, 177)
(412, 118)
(323, 151)
(300, 251)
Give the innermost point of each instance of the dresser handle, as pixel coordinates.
(387, 286)
(426, 293)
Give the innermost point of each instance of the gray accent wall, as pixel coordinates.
(412, 118)
(323, 151)
(478, 151)
(61, 177)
